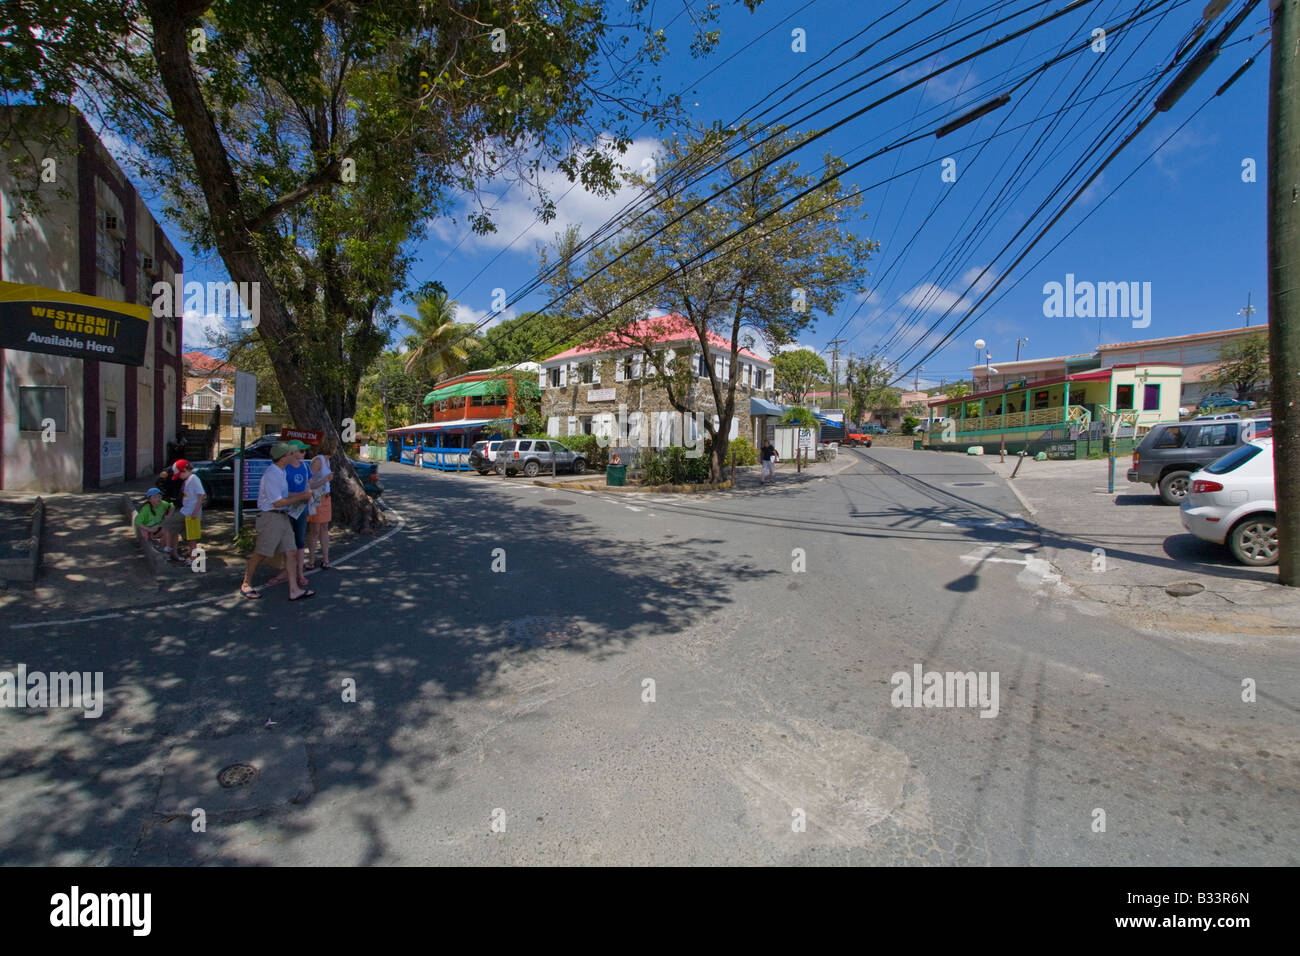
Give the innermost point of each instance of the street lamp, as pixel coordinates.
(1019, 342)
(979, 347)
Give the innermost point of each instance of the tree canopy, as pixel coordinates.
(1243, 364)
(799, 372)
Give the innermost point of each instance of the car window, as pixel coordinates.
(1170, 438)
(1234, 459)
(541, 446)
(523, 446)
(1213, 436)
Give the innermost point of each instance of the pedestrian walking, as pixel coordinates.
(768, 467)
(319, 514)
(274, 528)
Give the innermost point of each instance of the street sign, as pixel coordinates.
(302, 434)
(805, 438)
(254, 469)
(1018, 383)
(245, 414)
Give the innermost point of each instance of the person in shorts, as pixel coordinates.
(319, 513)
(189, 519)
(297, 475)
(149, 520)
(274, 529)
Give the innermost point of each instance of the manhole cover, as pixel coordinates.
(543, 631)
(236, 775)
(555, 501)
(1184, 589)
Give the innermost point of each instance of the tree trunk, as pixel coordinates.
(221, 192)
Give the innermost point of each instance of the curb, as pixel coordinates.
(23, 570)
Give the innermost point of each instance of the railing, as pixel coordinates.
(1038, 416)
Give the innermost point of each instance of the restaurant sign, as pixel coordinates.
(36, 319)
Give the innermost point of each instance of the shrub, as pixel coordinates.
(909, 424)
(743, 451)
(589, 448)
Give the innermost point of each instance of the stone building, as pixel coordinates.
(584, 387)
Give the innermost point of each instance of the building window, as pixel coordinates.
(38, 402)
(588, 376)
(629, 368)
(1150, 397)
(1041, 399)
(110, 422)
(1124, 396)
(553, 377)
(760, 378)
(703, 365)
(586, 425)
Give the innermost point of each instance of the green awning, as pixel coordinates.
(487, 386)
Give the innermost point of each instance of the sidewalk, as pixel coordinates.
(1145, 552)
(92, 562)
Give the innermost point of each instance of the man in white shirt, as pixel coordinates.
(274, 529)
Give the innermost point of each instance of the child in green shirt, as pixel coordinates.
(149, 520)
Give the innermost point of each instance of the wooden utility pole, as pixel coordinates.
(1284, 278)
(835, 366)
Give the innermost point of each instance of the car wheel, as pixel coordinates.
(531, 469)
(579, 466)
(1253, 541)
(1173, 487)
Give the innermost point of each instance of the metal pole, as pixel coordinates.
(239, 483)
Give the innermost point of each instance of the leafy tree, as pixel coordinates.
(956, 390)
(437, 347)
(528, 338)
(799, 372)
(308, 143)
(909, 424)
(799, 418)
(1243, 364)
(389, 396)
(868, 384)
(750, 257)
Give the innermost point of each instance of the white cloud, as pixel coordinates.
(467, 313)
(514, 213)
(982, 283)
(195, 328)
(932, 298)
(954, 85)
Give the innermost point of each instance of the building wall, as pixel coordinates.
(1199, 358)
(564, 407)
(121, 417)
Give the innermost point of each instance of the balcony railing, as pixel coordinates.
(1038, 416)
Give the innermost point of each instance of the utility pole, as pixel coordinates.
(1019, 342)
(916, 379)
(835, 365)
(1284, 279)
(1248, 311)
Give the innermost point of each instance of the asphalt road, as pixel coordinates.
(645, 679)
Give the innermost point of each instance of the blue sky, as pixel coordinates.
(1185, 222)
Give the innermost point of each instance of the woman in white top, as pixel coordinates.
(319, 513)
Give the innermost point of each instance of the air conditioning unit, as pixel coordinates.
(112, 226)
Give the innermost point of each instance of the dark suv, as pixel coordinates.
(1170, 452)
(533, 456)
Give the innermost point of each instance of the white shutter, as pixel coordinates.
(595, 371)
(618, 368)
(717, 366)
(638, 366)
(663, 429)
(541, 379)
(735, 428)
(573, 425)
(668, 358)
(563, 375)
(574, 377)
(553, 426)
(605, 424)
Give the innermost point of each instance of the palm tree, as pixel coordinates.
(437, 347)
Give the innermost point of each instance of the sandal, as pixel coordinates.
(248, 591)
(325, 566)
(303, 596)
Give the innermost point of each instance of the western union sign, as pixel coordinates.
(36, 319)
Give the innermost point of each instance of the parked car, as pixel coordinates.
(1232, 501)
(533, 456)
(1220, 401)
(875, 428)
(483, 455)
(218, 475)
(1171, 451)
(857, 435)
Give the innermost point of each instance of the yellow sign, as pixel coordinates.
(36, 319)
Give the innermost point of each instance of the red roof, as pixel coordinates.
(201, 362)
(662, 329)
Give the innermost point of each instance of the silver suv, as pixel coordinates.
(534, 456)
(1170, 452)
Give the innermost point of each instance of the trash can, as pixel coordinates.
(616, 475)
(917, 444)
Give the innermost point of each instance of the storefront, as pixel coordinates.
(444, 446)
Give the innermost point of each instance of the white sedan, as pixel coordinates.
(1232, 502)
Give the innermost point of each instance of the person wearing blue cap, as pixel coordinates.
(149, 520)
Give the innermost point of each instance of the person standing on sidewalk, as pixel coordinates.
(298, 477)
(274, 529)
(768, 468)
(189, 519)
(319, 513)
